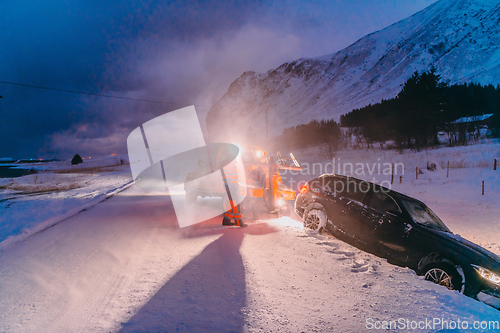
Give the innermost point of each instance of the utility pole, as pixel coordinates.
(267, 131)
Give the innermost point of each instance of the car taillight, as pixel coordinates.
(304, 188)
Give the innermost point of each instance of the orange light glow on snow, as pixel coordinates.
(113, 154)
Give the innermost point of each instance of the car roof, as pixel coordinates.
(393, 193)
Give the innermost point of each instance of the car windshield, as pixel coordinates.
(422, 214)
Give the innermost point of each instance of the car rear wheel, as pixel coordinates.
(315, 219)
(444, 275)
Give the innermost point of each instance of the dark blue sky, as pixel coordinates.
(186, 52)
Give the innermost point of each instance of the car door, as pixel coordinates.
(345, 207)
(332, 201)
(320, 193)
(389, 232)
(356, 213)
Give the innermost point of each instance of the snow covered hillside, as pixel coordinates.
(459, 38)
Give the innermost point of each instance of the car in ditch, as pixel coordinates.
(401, 229)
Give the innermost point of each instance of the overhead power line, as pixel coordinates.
(100, 95)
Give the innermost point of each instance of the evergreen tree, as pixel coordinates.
(421, 105)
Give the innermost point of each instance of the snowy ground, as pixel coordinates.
(31, 203)
(124, 265)
(301, 281)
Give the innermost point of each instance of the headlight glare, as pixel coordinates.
(487, 274)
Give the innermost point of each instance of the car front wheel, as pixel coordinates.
(315, 219)
(444, 275)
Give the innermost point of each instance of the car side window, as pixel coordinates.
(330, 186)
(356, 191)
(316, 187)
(383, 203)
(340, 187)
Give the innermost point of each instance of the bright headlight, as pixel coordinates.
(487, 274)
(281, 202)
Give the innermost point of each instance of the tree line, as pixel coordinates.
(424, 107)
(325, 133)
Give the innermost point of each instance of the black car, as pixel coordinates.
(401, 229)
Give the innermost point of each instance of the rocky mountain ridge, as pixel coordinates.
(461, 39)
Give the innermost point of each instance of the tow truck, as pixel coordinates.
(264, 185)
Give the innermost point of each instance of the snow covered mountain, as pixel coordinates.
(460, 38)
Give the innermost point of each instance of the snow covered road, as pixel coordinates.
(92, 271)
(124, 265)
